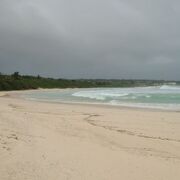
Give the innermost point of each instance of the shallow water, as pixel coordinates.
(161, 97)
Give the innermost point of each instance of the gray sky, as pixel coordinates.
(91, 38)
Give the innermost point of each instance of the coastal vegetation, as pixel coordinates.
(16, 81)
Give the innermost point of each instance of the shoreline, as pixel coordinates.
(19, 93)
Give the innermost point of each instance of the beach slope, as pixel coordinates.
(46, 141)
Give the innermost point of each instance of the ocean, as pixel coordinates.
(156, 97)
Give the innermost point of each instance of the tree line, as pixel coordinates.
(16, 81)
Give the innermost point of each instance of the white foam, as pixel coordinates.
(99, 95)
(168, 87)
(89, 94)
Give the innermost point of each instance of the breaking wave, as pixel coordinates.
(161, 97)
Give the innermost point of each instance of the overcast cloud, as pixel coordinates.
(91, 38)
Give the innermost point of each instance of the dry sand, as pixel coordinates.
(45, 141)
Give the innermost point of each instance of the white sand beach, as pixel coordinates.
(46, 141)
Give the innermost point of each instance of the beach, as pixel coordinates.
(61, 141)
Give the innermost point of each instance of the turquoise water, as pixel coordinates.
(161, 97)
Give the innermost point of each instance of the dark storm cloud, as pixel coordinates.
(91, 38)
